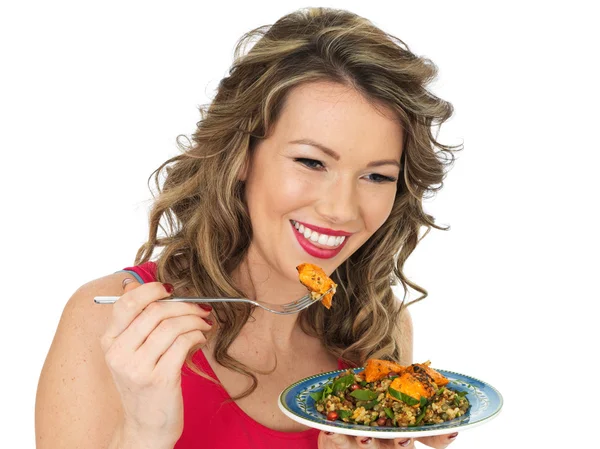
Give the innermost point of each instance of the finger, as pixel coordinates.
(130, 305)
(108, 337)
(165, 334)
(439, 441)
(169, 365)
(371, 443)
(329, 440)
(129, 284)
(152, 317)
(408, 443)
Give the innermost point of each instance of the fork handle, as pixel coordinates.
(113, 299)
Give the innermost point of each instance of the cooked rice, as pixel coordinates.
(444, 406)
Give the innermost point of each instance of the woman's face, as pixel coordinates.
(324, 181)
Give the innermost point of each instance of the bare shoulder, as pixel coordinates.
(83, 321)
(69, 405)
(82, 301)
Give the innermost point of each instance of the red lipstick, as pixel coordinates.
(325, 230)
(315, 251)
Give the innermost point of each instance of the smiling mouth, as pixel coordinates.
(326, 241)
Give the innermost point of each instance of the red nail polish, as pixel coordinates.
(404, 443)
(452, 436)
(206, 307)
(208, 321)
(366, 440)
(169, 288)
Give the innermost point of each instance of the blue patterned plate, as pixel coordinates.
(295, 402)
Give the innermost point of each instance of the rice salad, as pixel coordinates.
(403, 397)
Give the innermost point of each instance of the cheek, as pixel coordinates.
(291, 189)
(278, 191)
(377, 209)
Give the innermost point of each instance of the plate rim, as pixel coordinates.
(391, 433)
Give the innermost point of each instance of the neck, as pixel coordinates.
(259, 282)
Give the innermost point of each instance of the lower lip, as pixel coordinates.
(314, 250)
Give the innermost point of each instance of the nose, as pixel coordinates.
(339, 202)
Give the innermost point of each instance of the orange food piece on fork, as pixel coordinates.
(315, 279)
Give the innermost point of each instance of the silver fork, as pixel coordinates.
(280, 309)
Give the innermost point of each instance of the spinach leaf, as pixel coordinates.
(403, 397)
(344, 413)
(421, 415)
(364, 395)
(369, 405)
(343, 382)
(317, 396)
(322, 394)
(327, 390)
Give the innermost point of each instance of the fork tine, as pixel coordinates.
(309, 301)
(299, 304)
(293, 305)
(303, 302)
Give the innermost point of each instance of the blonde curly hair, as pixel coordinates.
(207, 230)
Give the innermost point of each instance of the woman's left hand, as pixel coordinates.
(329, 440)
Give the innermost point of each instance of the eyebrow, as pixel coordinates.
(336, 156)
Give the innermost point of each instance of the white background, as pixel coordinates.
(92, 97)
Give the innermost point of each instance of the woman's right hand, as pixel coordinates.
(145, 346)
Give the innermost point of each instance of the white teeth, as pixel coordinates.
(314, 236)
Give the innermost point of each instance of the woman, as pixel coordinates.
(321, 131)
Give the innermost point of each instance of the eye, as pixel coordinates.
(380, 179)
(310, 163)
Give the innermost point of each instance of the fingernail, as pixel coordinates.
(210, 323)
(206, 307)
(366, 440)
(126, 281)
(328, 433)
(404, 443)
(169, 288)
(452, 436)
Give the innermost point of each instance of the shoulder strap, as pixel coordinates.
(342, 364)
(145, 272)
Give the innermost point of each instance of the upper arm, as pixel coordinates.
(77, 405)
(406, 338)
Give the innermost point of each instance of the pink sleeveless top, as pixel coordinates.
(211, 420)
